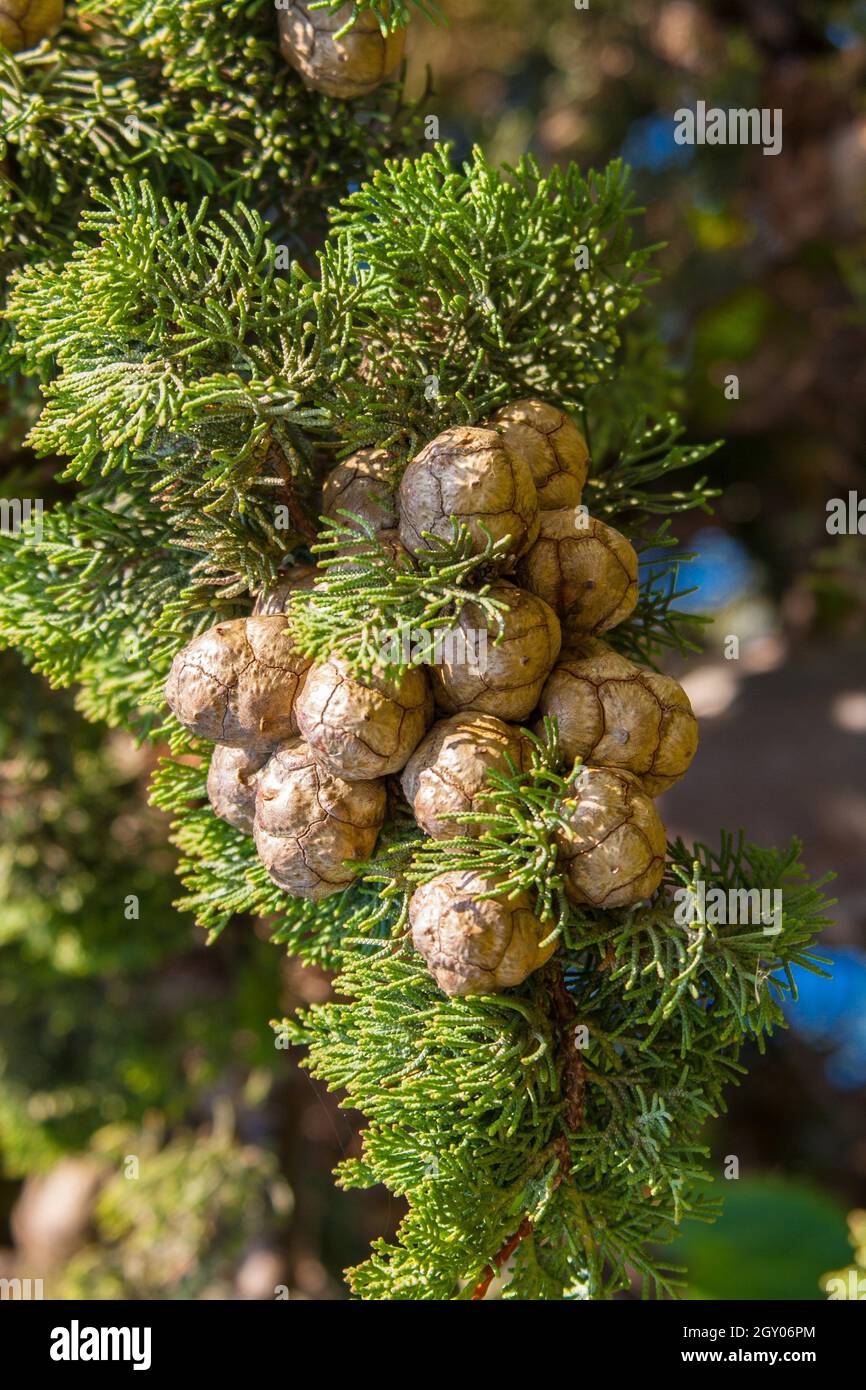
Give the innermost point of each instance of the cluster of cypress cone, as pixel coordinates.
(305, 749)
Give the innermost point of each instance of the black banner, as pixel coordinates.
(141, 1338)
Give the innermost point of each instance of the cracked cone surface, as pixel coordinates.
(553, 447)
(611, 713)
(363, 728)
(448, 771)
(584, 569)
(349, 66)
(363, 484)
(308, 822)
(24, 23)
(613, 850)
(469, 473)
(237, 682)
(474, 945)
(498, 665)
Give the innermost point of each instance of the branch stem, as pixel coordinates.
(490, 1272)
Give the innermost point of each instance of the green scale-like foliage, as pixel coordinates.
(391, 14)
(492, 1120)
(196, 385)
(192, 95)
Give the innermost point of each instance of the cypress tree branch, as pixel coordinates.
(380, 613)
(501, 1257)
(204, 344)
(574, 1071)
(425, 1070)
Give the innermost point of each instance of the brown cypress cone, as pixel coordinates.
(584, 569)
(24, 23)
(612, 713)
(363, 484)
(231, 783)
(498, 665)
(553, 447)
(308, 822)
(474, 945)
(449, 770)
(277, 598)
(237, 682)
(613, 849)
(471, 474)
(363, 727)
(351, 66)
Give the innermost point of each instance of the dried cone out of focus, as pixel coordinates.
(448, 773)
(309, 822)
(24, 23)
(611, 713)
(553, 447)
(476, 945)
(584, 569)
(237, 682)
(498, 665)
(363, 728)
(364, 485)
(340, 65)
(472, 475)
(613, 850)
(231, 784)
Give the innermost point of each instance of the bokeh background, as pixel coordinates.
(125, 1034)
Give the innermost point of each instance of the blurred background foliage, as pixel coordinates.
(772, 1235)
(122, 1034)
